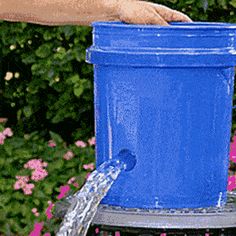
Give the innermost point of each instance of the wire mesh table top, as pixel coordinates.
(199, 218)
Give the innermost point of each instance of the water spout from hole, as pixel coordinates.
(84, 203)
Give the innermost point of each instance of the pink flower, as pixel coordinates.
(8, 132)
(63, 191)
(76, 185)
(206, 234)
(87, 175)
(39, 174)
(117, 233)
(2, 138)
(21, 182)
(36, 214)
(48, 211)
(35, 164)
(47, 234)
(97, 230)
(44, 164)
(27, 189)
(34, 210)
(23, 178)
(69, 155)
(51, 143)
(71, 180)
(37, 229)
(89, 166)
(92, 141)
(232, 153)
(163, 234)
(80, 143)
(18, 185)
(231, 183)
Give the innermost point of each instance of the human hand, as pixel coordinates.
(141, 12)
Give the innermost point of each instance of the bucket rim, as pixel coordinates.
(173, 25)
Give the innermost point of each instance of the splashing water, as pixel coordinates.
(84, 203)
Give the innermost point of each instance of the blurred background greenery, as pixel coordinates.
(52, 86)
(46, 92)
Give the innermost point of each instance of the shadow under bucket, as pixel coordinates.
(165, 94)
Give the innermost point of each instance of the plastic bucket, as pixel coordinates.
(165, 94)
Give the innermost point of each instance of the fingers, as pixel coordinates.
(152, 17)
(142, 12)
(178, 16)
(157, 19)
(139, 13)
(171, 15)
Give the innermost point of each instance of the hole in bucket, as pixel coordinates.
(128, 158)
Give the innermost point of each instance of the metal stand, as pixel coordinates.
(186, 222)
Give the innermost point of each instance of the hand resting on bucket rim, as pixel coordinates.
(141, 12)
(84, 12)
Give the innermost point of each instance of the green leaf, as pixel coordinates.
(36, 201)
(4, 199)
(8, 148)
(44, 50)
(27, 110)
(189, 1)
(56, 137)
(19, 112)
(48, 189)
(1, 128)
(22, 153)
(78, 91)
(18, 195)
(74, 79)
(38, 69)
(25, 210)
(17, 142)
(223, 3)
(233, 3)
(47, 35)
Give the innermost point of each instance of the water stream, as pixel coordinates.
(85, 202)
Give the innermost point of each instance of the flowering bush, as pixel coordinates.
(34, 175)
(46, 83)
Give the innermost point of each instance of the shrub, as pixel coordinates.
(50, 87)
(45, 82)
(32, 172)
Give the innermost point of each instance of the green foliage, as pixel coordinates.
(204, 10)
(49, 95)
(16, 217)
(53, 89)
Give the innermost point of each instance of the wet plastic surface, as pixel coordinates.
(166, 95)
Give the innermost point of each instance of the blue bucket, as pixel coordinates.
(165, 94)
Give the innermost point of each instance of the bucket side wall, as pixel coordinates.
(177, 121)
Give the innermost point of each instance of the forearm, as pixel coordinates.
(59, 12)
